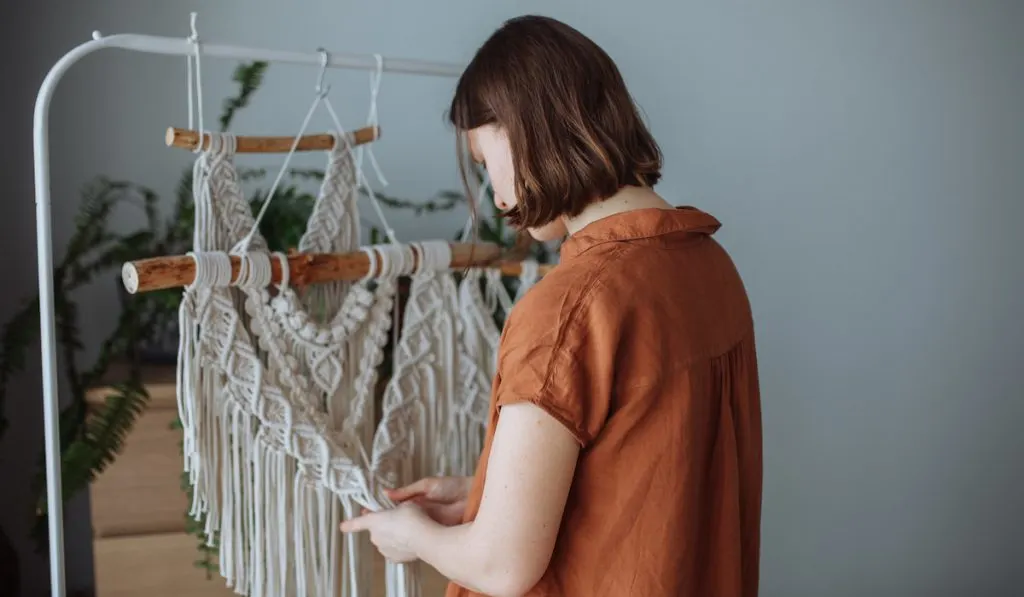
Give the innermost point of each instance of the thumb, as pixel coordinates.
(359, 523)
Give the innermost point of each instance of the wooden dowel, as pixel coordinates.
(187, 139)
(159, 273)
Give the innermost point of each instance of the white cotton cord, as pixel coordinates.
(396, 260)
(244, 266)
(435, 256)
(186, 385)
(286, 471)
(227, 527)
(243, 245)
(360, 175)
(248, 503)
(259, 562)
(371, 270)
(401, 260)
(357, 153)
(372, 118)
(196, 49)
(209, 456)
(528, 276)
(298, 543)
(213, 269)
(334, 553)
(498, 290)
(254, 272)
(351, 555)
(386, 263)
(237, 504)
(282, 259)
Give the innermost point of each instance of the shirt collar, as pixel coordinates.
(639, 224)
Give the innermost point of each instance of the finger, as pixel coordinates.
(416, 488)
(354, 525)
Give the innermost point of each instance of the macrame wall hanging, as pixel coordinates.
(276, 386)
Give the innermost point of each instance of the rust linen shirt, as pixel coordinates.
(641, 344)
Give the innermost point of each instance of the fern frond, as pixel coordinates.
(442, 201)
(249, 77)
(19, 333)
(89, 454)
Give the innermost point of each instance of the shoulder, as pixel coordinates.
(559, 304)
(557, 349)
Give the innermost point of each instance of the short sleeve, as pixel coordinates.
(557, 352)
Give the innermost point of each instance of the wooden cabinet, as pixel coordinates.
(140, 546)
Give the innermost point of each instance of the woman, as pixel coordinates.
(623, 454)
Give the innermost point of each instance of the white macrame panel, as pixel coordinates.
(276, 389)
(267, 465)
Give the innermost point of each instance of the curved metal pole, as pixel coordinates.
(48, 340)
(153, 45)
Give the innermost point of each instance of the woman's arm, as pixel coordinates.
(506, 549)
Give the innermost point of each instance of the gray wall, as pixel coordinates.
(865, 158)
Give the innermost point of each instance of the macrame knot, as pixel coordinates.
(254, 270)
(213, 269)
(434, 256)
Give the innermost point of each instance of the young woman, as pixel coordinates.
(623, 454)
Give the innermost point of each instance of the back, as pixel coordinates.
(641, 343)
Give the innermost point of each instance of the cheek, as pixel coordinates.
(503, 185)
(502, 174)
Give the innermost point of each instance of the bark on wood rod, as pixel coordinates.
(187, 139)
(159, 273)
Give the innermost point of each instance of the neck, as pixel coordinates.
(627, 199)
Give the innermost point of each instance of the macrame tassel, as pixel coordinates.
(247, 445)
(334, 550)
(186, 385)
(228, 487)
(402, 580)
(258, 552)
(238, 503)
(299, 541)
(350, 559)
(211, 435)
(288, 503)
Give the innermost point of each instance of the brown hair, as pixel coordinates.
(575, 134)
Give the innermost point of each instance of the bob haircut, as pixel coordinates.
(575, 133)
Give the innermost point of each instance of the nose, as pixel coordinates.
(500, 203)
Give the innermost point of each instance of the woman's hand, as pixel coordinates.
(392, 531)
(442, 498)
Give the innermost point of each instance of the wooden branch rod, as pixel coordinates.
(159, 273)
(187, 139)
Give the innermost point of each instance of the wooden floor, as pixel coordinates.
(161, 565)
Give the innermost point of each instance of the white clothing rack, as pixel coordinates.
(151, 45)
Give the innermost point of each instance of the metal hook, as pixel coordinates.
(321, 89)
(192, 24)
